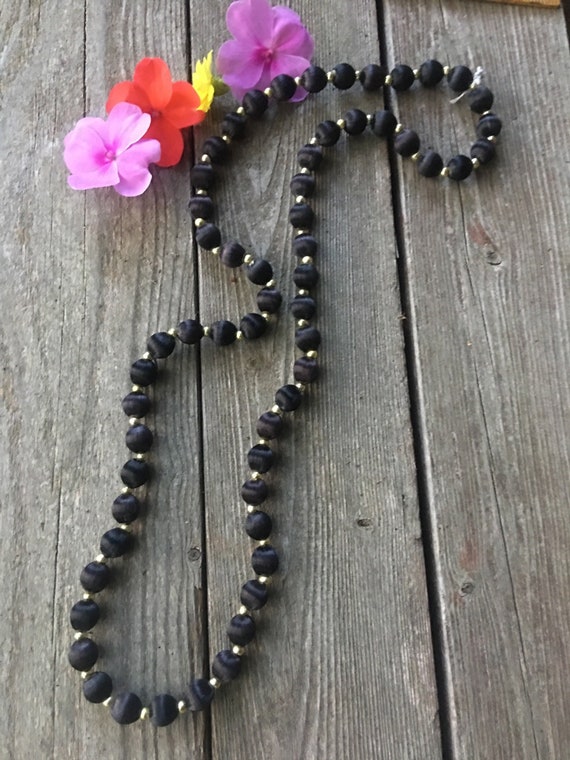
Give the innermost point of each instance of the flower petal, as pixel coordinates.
(104, 176)
(170, 139)
(182, 109)
(134, 175)
(152, 75)
(290, 36)
(250, 21)
(238, 67)
(85, 146)
(126, 124)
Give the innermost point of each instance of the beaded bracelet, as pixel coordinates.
(126, 707)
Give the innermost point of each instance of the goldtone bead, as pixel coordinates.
(276, 409)
(268, 91)
(79, 635)
(399, 128)
(206, 331)
(370, 118)
(270, 284)
(297, 81)
(311, 354)
(416, 156)
(251, 509)
(126, 489)
(330, 76)
(300, 233)
(263, 442)
(86, 596)
(243, 610)
(145, 714)
(173, 331)
(100, 558)
(107, 702)
(239, 335)
(357, 73)
(264, 579)
(263, 542)
(248, 259)
(140, 457)
(266, 315)
(216, 251)
(476, 163)
(256, 475)
(307, 260)
(137, 389)
(446, 70)
(444, 172)
(240, 110)
(240, 651)
(199, 222)
(182, 707)
(341, 123)
(416, 73)
(227, 139)
(301, 386)
(313, 141)
(134, 420)
(492, 138)
(388, 80)
(486, 113)
(201, 192)
(85, 674)
(302, 323)
(205, 159)
(215, 682)
(304, 170)
(300, 199)
(126, 527)
(303, 292)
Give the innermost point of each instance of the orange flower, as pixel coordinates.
(172, 105)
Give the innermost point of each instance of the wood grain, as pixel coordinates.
(533, 3)
(490, 339)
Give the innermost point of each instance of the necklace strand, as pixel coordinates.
(126, 707)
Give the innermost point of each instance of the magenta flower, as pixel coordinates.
(267, 42)
(111, 153)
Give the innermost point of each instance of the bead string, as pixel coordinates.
(126, 707)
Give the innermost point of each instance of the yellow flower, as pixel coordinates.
(203, 82)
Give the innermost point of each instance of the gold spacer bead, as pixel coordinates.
(240, 651)
(146, 355)
(227, 139)
(263, 442)
(416, 73)
(331, 76)
(307, 260)
(205, 158)
(474, 85)
(302, 292)
(140, 457)
(313, 141)
(341, 123)
(311, 354)
(248, 259)
(216, 251)
(107, 702)
(300, 199)
(242, 610)
(136, 388)
(126, 527)
(263, 542)
(305, 171)
(492, 138)
(145, 714)
(446, 70)
(476, 163)
(300, 233)
(416, 156)
(297, 81)
(126, 489)
(255, 475)
(86, 596)
(251, 509)
(301, 386)
(444, 172)
(182, 707)
(264, 579)
(215, 682)
(277, 410)
(485, 113)
(369, 118)
(303, 323)
(206, 331)
(399, 128)
(79, 635)
(357, 73)
(100, 558)
(201, 192)
(199, 222)
(133, 420)
(268, 91)
(86, 673)
(240, 110)
(270, 284)
(173, 331)
(266, 315)
(388, 80)
(239, 335)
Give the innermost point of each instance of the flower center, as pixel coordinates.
(110, 155)
(154, 114)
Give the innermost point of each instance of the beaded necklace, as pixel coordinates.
(126, 707)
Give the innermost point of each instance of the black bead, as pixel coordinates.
(307, 338)
(305, 370)
(283, 87)
(269, 425)
(116, 542)
(304, 245)
(201, 207)
(232, 254)
(139, 438)
(407, 142)
(484, 150)
(489, 125)
(258, 525)
(301, 216)
(84, 615)
(254, 595)
(135, 473)
(288, 398)
(305, 276)
(303, 184)
(303, 307)
(260, 458)
(160, 345)
(83, 654)
(202, 176)
(201, 694)
(233, 125)
(431, 164)
(384, 123)
(208, 236)
(264, 560)
(223, 332)
(252, 326)
(255, 103)
(309, 157)
(241, 630)
(217, 149)
(269, 300)
(314, 79)
(402, 77)
(136, 404)
(98, 687)
(126, 508)
(190, 331)
(480, 99)
(143, 372)
(95, 576)
(372, 77)
(327, 133)
(254, 491)
(460, 167)
(344, 76)
(431, 73)
(355, 121)
(126, 708)
(163, 710)
(260, 272)
(460, 78)
(226, 665)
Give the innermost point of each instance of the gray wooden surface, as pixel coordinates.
(420, 498)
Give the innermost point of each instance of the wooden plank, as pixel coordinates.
(534, 3)
(486, 268)
(342, 667)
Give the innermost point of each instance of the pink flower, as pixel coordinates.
(267, 42)
(111, 153)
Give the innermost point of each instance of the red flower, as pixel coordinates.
(172, 105)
